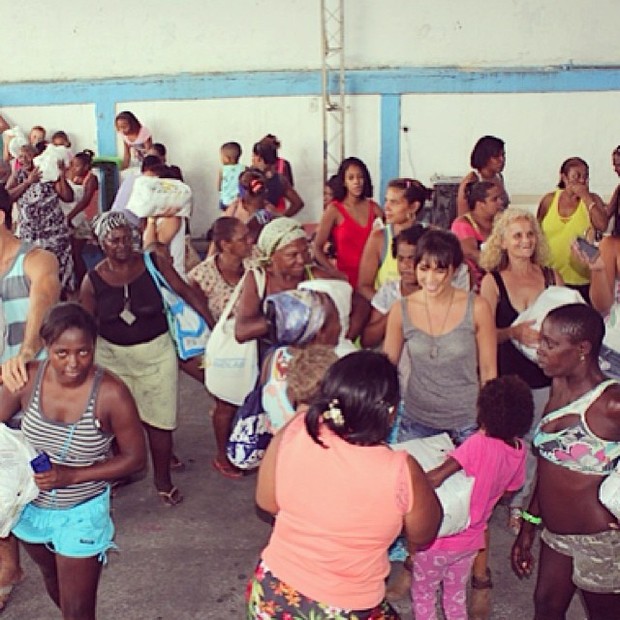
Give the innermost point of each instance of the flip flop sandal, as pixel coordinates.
(228, 471)
(170, 498)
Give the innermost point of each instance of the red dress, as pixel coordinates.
(350, 239)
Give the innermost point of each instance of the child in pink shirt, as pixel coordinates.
(495, 457)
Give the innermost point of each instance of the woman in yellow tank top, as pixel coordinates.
(571, 211)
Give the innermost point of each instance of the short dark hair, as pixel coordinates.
(363, 386)
(414, 190)
(567, 164)
(484, 149)
(339, 189)
(410, 235)
(223, 229)
(160, 149)
(67, 315)
(441, 246)
(266, 150)
(130, 117)
(86, 157)
(580, 322)
(505, 407)
(232, 150)
(252, 181)
(477, 191)
(150, 162)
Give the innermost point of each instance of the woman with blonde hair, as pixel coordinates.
(515, 256)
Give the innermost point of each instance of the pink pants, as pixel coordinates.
(432, 568)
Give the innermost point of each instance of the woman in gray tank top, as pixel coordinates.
(449, 338)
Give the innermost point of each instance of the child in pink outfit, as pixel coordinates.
(495, 457)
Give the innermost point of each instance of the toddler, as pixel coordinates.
(228, 177)
(495, 457)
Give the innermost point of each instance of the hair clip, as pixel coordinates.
(256, 185)
(408, 183)
(334, 413)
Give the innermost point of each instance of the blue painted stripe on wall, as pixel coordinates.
(308, 83)
(389, 161)
(107, 93)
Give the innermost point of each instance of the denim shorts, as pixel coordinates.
(82, 531)
(410, 429)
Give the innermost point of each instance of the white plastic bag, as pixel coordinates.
(152, 196)
(16, 139)
(17, 485)
(551, 298)
(455, 492)
(47, 162)
(609, 493)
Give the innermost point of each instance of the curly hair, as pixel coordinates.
(505, 408)
(493, 257)
(306, 370)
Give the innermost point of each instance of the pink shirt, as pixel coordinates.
(497, 468)
(340, 509)
(464, 228)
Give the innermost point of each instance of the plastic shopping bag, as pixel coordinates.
(17, 485)
(455, 492)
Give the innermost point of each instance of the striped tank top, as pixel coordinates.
(76, 444)
(15, 299)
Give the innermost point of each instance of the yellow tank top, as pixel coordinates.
(388, 269)
(560, 233)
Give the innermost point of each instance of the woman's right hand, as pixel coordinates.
(521, 558)
(33, 176)
(525, 334)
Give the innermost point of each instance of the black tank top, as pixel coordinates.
(509, 360)
(144, 302)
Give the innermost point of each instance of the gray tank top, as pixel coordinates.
(442, 390)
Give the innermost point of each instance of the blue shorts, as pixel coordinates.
(82, 531)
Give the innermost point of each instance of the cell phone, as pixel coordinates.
(41, 463)
(589, 249)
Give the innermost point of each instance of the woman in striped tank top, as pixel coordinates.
(73, 410)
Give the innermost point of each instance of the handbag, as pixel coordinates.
(250, 433)
(231, 367)
(549, 299)
(188, 329)
(17, 485)
(454, 494)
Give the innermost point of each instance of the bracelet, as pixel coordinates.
(526, 516)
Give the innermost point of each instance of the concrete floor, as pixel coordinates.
(193, 561)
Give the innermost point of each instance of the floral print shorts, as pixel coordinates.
(268, 598)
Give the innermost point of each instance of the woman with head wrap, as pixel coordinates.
(133, 337)
(299, 319)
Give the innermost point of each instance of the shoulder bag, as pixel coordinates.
(231, 367)
(188, 329)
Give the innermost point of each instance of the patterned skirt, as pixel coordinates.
(268, 597)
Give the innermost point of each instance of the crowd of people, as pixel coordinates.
(378, 329)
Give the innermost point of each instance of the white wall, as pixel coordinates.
(135, 39)
(68, 40)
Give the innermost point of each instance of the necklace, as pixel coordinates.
(434, 352)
